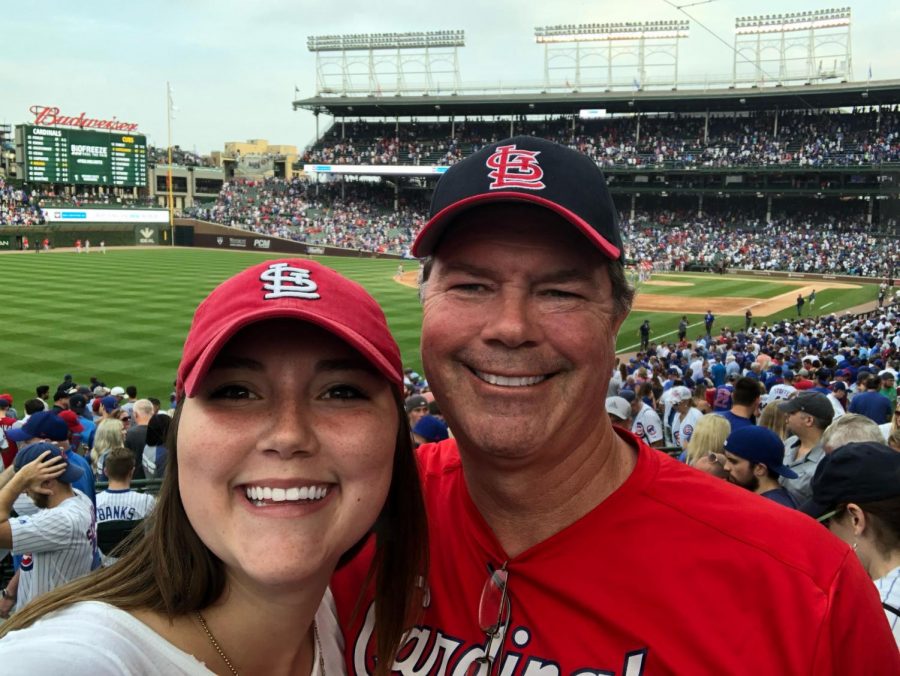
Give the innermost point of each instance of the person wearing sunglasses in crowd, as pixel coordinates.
(561, 544)
(289, 445)
(856, 494)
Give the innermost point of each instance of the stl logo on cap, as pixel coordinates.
(515, 168)
(284, 281)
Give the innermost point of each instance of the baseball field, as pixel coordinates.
(122, 316)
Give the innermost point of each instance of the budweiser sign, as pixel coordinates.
(49, 115)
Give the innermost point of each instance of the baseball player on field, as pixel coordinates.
(57, 543)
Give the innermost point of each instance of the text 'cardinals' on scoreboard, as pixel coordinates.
(78, 157)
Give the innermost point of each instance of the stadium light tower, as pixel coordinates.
(389, 63)
(797, 47)
(582, 53)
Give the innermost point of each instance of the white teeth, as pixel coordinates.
(259, 494)
(507, 381)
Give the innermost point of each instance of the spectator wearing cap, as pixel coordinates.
(430, 429)
(56, 543)
(856, 494)
(8, 447)
(75, 456)
(744, 404)
(870, 402)
(888, 386)
(619, 411)
(837, 395)
(808, 414)
(783, 390)
(686, 416)
(60, 401)
(754, 459)
(646, 424)
(136, 436)
(78, 404)
(10, 410)
(416, 407)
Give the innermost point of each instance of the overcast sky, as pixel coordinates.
(233, 64)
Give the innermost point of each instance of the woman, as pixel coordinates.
(889, 428)
(155, 451)
(856, 494)
(708, 438)
(288, 441)
(773, 418)
(110, 434)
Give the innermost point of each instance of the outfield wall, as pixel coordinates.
(113, 234)
(811, 276)
(194, 232)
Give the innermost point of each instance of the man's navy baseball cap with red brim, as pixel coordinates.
(533, 171)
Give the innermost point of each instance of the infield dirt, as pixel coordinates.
(719, 305)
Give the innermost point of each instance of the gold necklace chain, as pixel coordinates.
(234, 672)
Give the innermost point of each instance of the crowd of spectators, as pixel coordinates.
(358, 216)
(180, 157)
(839, 356)
(801, 241)
(19, 206)
(813, 139)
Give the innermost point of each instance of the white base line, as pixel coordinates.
(826, 305)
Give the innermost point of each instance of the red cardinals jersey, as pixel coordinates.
(674, 573)
(8, 447)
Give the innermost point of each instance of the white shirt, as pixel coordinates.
(647, 425)
(683, 430)
(889, 590)
(57, 545)
(781, 391)
(99, 639)
(836, 405)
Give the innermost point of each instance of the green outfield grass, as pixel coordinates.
(123, 316)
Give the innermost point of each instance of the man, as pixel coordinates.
(682, 328)
(119, 502)
(748, 319)
(888, 387)
(8, 448)
(644, 332)
(708, 322)
(870, 402)
(416, 408)
(646, 426)
(619, 412)
(57, 543)
(783, 390)
(837, 395)
(687, 415)
(800, 302)
(43, 393)
(584, 539)
(744, 404)
(808, 414)
(754, 459)
(429, 429)
(136, 436)
(78, 405)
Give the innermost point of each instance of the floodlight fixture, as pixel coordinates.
(373, 41)
(793, 21)
(602, 32)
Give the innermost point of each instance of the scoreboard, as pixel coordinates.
(79, 157)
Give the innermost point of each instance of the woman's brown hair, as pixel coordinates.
(149, 577)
